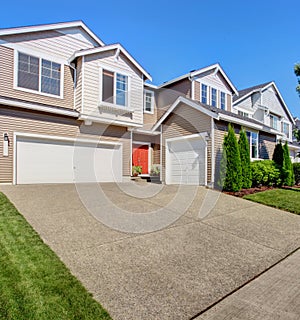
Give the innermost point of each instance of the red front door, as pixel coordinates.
(140, 157)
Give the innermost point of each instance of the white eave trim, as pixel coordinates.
(240, 121)
(199, 71)
(146, 132)
(53, 26)
(107, 48)
(189, 103)
(35, 107)
(109, 121)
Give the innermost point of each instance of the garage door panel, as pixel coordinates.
(53, 161)
(187, 163)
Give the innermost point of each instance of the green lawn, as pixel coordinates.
(34, 283)
(284, 199)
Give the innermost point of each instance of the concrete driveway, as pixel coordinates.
(173, 273)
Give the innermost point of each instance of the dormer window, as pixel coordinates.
(38, 74)
(204, 93)
(213, 97)
(114, 88)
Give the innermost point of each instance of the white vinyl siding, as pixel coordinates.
(93, 104)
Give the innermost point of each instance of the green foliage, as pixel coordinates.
(265, 173)
(232, 181)
(279, 198)
(34, 283)
(296, 134)
(136, 170)
(278, 154)
(297, 73)
(155, 170)
(245, 160)
(296, 168)
(287, 168)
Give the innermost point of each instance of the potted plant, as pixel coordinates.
(136, 170)
(155, 170)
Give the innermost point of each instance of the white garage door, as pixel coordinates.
(186, 161)
(53, 161)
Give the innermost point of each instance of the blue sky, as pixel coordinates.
(254, 41)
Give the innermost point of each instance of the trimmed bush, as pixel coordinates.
(296, 167)
(278, 154)
(231, 156)
(287, 168)
(245, 160)
(265, 173)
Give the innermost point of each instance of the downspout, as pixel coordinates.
(192, 86)
(71, 65)
(212, 136)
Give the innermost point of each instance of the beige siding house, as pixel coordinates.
(73, 110)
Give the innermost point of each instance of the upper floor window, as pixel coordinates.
(253, 143)
(286, 129)
(222, 100)
(213, 97)
(204, 93)
(39, 74)
(114, 88)
(242, 113)
(274, 121)
(149, 101)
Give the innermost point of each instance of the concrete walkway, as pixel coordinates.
(173, 273)
(275, 295)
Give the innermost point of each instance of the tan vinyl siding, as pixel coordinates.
(93, 84)
(186, 121)
(15, 120)
(78, 89)
(229, 101)
(197, 91)
(182, 87)
(50, 42)
(7, 84)
(150, 119)
(266, 145)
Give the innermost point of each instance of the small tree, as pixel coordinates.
(287, 168)
(232, 181)
(246, 175)
(278, 155)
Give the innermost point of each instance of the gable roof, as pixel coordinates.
(217, 114)
(247, 91)
(117, 47)
(195, 73)
(52, 26)
(260, 87)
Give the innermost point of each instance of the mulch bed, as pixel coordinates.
(245, 192)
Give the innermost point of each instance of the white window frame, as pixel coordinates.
(225, 100)
(40, 57)
(250, 143)
(211, 97)
(288, 136)
(278, 122)
(152, 101)
(114, 71)
(207, 90)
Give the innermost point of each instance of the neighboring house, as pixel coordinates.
(60, 85)
(73, 109)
